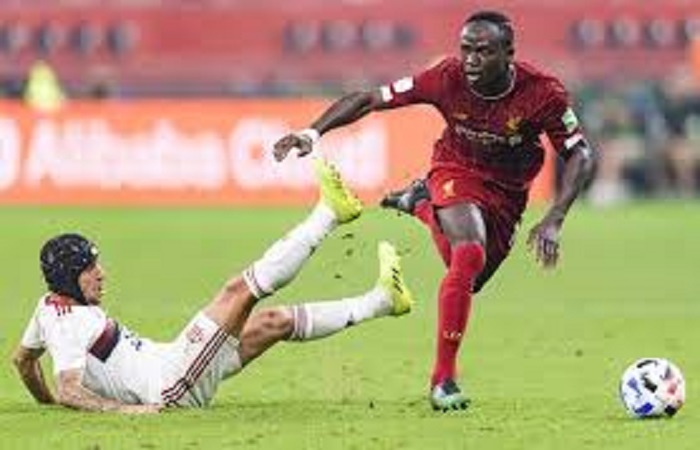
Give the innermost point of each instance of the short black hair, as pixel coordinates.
(497, 18)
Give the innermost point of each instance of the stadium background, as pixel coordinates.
(160, 151)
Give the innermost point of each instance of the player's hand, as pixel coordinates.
(303, 142)
(544, 241)
(141, 409)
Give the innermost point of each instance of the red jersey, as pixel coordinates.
(496, 137)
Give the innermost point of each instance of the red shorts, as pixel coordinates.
(501, 208)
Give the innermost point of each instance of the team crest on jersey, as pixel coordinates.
(513, 124)
(195, 334)
(513, 135)
(448, 189)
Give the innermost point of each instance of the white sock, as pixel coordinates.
(283, 260)
(320, 319)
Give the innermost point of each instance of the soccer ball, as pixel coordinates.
(652, 387)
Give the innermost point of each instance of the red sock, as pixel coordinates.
(425, 212)
(454, 306)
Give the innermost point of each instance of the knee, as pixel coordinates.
(275, 321)
(469, 254)
(235, 285)
(233, 289)
(463, 223)
(234, 295)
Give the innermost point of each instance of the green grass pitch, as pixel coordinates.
(542, 358)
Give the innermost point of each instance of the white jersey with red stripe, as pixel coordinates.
(120, 365)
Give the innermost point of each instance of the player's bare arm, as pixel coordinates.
(28, 365)
(73, 394)
(578, 171)
(346, 110)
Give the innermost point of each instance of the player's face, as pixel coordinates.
(91, 282)
(485, 56)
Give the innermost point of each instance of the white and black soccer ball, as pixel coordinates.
(652, 387)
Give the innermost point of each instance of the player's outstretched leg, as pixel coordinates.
(315, 320)
(283, 260)
(390, 297)
(406, 199)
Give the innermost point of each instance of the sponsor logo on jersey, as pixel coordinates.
(569, 120)
(510, 138)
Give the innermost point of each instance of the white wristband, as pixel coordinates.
(311, 134)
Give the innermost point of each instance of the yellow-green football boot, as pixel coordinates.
(335, 193)
(391, 279)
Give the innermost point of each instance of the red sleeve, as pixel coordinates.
(559, 120)
(424, 87)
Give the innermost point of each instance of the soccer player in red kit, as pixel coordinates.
(495, 109)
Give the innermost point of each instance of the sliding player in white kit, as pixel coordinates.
(100, 365)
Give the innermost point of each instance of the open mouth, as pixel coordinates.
(473, 76)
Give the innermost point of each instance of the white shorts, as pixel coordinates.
(196, 362)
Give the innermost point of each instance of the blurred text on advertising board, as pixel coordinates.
(202, 153)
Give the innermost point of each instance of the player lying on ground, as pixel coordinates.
(495, 109)
(100, 365)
